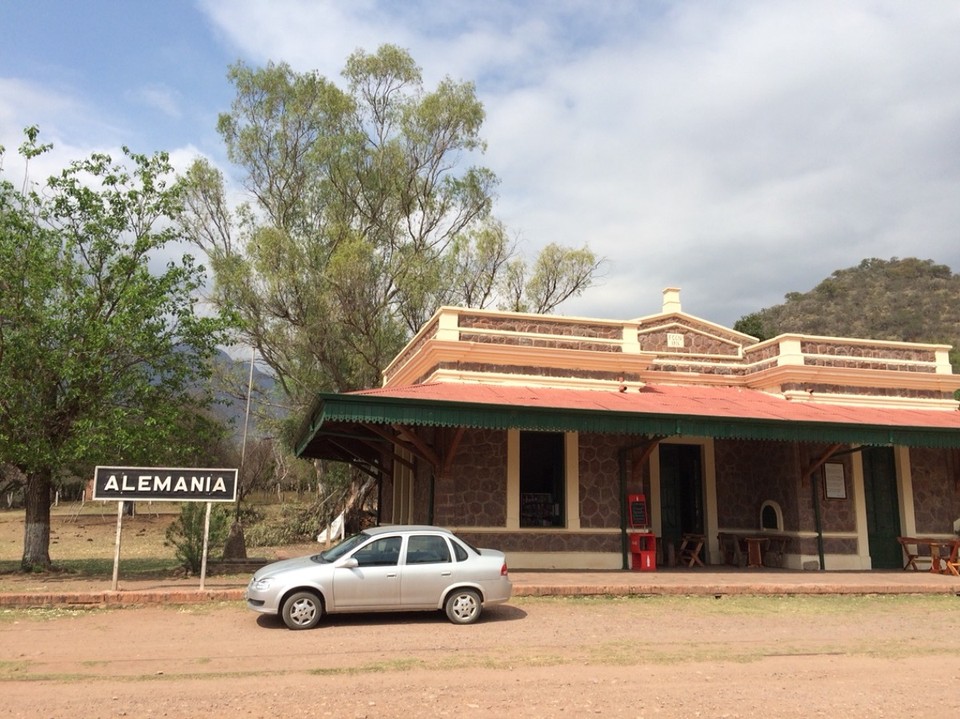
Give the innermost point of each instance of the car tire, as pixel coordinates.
(302, 610)
(463, 606)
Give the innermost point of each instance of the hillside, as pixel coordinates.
(898, 299)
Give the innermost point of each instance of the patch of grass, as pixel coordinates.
(396, 665)
(45, 614)
(798, 605)
(102, 567)
(13, 670)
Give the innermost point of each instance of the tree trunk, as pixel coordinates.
(36, 533)
(236, 545)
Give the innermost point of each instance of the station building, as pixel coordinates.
(536, 433)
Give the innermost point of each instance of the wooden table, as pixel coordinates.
(941, 552)
(748, 548)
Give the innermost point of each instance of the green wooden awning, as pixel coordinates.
(337, 420)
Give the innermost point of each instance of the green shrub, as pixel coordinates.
(186, 533)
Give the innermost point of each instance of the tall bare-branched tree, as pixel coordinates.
(365, 213)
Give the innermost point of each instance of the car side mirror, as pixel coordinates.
(348, 563)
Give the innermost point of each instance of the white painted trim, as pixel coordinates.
(858, 490)
(571, 486)
(908, 515)
(513, 479)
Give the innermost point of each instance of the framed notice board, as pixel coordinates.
(637, 510)
(834, 481)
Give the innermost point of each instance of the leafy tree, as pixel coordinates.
(365, 219)
(753, 325)
(101, 359)
(558, 274)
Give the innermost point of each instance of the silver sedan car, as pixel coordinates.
(394, 568)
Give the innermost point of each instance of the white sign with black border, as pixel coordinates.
(162, 484)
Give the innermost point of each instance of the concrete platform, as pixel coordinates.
(69, 592)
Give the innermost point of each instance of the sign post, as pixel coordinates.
(206, 541)
(159, 484)
(116, 548)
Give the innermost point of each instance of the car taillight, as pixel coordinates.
(503, 570)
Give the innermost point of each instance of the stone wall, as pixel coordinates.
(748, 474)
(474, 491)
(845, 353)
(600, 480)
(936, 489)
(533, 325)
(548, 541)
(697, 340)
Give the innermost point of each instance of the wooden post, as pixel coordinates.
(116, 549)
(206, 540)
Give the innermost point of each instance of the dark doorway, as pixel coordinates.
(681, 491)
(542, 479)
(883, 507)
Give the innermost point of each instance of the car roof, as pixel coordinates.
(401, 528)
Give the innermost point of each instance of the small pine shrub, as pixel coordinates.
(186, 533)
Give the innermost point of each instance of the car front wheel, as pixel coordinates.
(302, 610)
(463, 606)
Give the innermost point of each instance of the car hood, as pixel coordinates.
(286, 565)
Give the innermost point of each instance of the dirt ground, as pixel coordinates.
(737, 656)
(625, 657)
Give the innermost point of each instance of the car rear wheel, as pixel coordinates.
(302, 610)
(463, 606)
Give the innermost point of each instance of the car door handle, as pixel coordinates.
(391, 575)
(446, 573)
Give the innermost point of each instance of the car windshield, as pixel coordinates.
(334, 553)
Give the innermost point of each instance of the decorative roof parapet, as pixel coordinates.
(530, 337)
(473, 345)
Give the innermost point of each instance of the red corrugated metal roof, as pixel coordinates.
(676, 400)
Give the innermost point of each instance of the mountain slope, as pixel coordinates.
(907, 299)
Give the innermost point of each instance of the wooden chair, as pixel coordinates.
(911, 552)
(691, 546)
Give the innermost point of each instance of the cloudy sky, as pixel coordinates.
(739, 150)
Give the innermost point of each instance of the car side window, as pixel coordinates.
(383, 552)
(459, 552)
(427, 549)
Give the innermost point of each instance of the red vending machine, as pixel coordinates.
(643, 543)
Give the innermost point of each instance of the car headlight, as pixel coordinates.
(261, 585)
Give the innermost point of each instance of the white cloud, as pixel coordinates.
(740, 150)
(161, 98)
